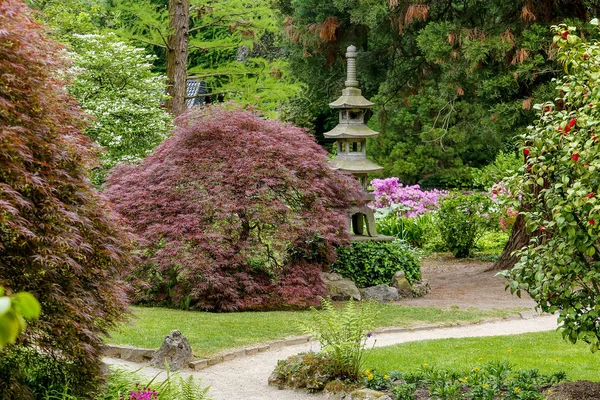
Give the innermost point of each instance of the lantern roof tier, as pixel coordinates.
(351, 98)
(351, 131)
(354, 166)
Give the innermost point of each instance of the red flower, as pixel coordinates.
(591, 104)
(590, 195)
(592, 222)
(574, 156)
(586, 56)
(586, 92)
(542, 229)
(565, 34)
(529, 168)
(559, 128)
(567, 128)
(572, 122)
(594, 138)
(526, 151)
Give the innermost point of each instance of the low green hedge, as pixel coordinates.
(373, 263)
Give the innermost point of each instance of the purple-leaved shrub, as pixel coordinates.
(234, 212)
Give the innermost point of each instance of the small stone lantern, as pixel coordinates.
(351, 135)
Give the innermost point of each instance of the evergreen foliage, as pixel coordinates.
(374, 263)
(58, 240)
(454, 81)
(234, 212)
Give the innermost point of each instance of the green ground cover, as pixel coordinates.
(544, 351)
(210, 333)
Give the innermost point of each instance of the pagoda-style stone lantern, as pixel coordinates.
(351, 135)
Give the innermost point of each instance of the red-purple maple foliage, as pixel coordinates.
(234, 212)
(57, 239)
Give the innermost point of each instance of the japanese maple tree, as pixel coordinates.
(58, 240)
(234, 212)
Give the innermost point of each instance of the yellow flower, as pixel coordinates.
(476, 369)
(485, 386)
(367, 372)
(386, 377)
(425, 364)
(550, 391)
(464, 380)
(370, 377)
(517, 390)
(480, 358)
(508, 351)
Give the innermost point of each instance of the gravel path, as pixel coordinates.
(246, 378)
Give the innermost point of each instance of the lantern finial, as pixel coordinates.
(351, 57)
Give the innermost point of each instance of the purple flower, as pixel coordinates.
(406, 201)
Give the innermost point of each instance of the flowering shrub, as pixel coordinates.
(502, 197)
(113, 82)
(559, 183)
(408, 201)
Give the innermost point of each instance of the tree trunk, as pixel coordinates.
(177, 55)
(518, 239)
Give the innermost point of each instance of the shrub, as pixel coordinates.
(408, 201)
(373, 263)
(342, 334)
(463, 219)
(113, 82)
(559, 186)
(234, 212)
(58, 241)
(415, 231)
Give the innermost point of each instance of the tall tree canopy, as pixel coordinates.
(454, 80)
(58, 240)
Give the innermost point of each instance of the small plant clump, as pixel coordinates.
(496, 380)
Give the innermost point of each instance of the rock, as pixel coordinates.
(381, 293)
(421, 288)
(339, 288)
(400, 282)
(175, 350)
(367, 394)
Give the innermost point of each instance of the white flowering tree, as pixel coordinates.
(114, 83)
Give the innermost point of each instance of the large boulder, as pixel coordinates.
(340, 288)
(400, 282)
(175, 350)
(381, 293)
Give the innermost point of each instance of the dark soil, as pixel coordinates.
(580, 390)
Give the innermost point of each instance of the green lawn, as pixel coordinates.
(210, 333)
(544, 351)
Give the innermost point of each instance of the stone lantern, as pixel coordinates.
(351, 139)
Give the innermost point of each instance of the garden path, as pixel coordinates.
(246, 378)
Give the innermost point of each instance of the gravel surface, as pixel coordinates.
(246, 378)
